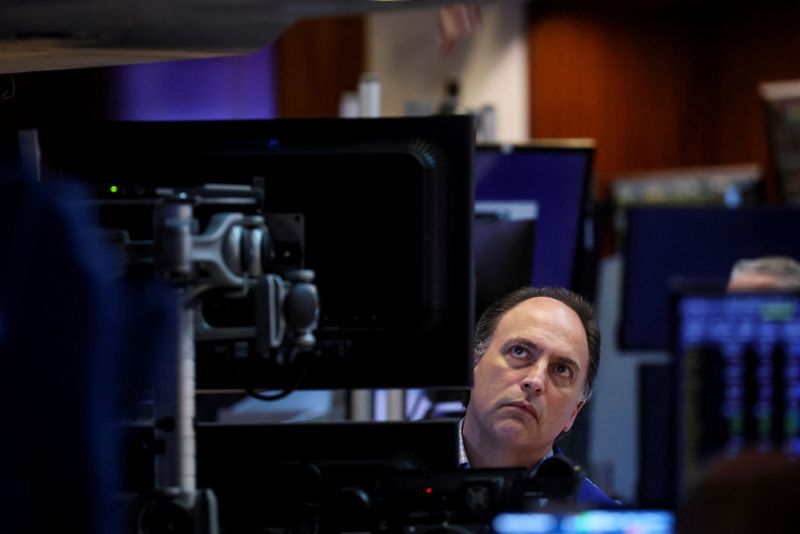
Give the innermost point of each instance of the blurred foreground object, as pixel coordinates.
(77, 346)
(749, 493)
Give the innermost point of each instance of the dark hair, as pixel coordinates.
(487, 324)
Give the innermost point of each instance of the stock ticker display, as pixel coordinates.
(738, 375)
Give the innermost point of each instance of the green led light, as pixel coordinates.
(113, 188)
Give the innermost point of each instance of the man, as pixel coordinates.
(536, 356)
(768, 273)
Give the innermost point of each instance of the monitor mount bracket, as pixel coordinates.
(233, 254)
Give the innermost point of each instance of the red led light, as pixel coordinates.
(428, 490)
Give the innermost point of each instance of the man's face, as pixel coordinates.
(528, 383)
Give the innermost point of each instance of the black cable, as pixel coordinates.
(286, 392)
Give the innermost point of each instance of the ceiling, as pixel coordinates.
(40, 35)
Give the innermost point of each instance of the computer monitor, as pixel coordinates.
(504, 251)
(244, 454)
(387, 207)
(737, 380)
(672, 248)
(656, 485)
(556, 176)
(781, 100)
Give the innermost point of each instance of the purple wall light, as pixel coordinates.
(240, 87)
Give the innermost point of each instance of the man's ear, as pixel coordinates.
(574, 414)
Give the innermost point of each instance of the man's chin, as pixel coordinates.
(516, 429)
(519, 441)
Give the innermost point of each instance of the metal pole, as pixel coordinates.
(175, 394)
(185, 413)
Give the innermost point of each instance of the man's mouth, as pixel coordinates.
(524, 406)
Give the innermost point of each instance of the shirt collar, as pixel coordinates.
(463, 459)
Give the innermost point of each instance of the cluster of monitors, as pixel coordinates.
(388, 209)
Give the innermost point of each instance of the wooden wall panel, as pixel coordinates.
(674, 85)
(762, 43)
(317, 60)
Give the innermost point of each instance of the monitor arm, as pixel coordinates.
(234, 253)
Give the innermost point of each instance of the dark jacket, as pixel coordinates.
(590, 496)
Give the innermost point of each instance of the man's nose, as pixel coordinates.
(533, 382)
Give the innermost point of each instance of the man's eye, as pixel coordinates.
(518, 351)
(562, 369)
